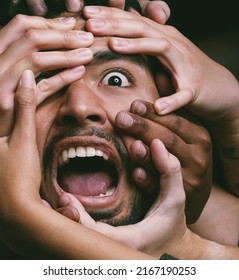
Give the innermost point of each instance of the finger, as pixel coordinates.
(25, 104)
(145, 174)
(120, 27)
(171, 183)
(147, 130)
(47, 87)
(140, 153)
(38, 7)
(182, 127)
(161, 47)
(40, 62)
(35, 40)
(56, 60)
(70, 212)
(173, 102)
(111, 21)
(21, 23)
(158, 11)
(67, 199)
(115, 11)
(74, 6)
(46, 203)
(144, 180)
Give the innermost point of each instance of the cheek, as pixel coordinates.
(44, 122)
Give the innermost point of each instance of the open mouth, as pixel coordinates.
(87, 171)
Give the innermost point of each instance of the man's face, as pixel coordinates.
(82, 150)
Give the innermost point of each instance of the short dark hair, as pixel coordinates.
(55, 7)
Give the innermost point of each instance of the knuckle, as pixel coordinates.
(175, 123)
(35, 59)
(49, 22)
(6, 105)
(67, 36)
(142, 26)
(170, 141)
(202, 165)
(31, 36)
(171, 30)
(165, 44)
(20, 20)
(26, 101)
(115, 23)
(44, 85)
(205, 139)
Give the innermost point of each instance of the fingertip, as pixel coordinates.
(161, 107)
(27, 80)
(158, 11)
(64, 199)
(140, 175)
(138, 149)
(74, 6)
(158, 145)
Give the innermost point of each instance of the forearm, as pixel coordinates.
(193, 247)
(44, 233)
(226, 139)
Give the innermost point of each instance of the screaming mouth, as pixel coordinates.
(87, 171)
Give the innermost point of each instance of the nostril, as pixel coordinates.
(69, 120)
(94, 118)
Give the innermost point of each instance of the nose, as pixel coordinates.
(81, 106)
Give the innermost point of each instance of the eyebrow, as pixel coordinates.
(107, 56)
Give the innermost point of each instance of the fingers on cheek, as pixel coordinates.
(143, 179)
(139, 152)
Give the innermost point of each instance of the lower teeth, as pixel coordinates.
(108, 193)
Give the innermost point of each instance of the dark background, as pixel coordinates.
(212, 25)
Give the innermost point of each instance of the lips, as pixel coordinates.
(86, 171)
(88, 168)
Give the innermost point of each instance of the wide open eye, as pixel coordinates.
(115, 79)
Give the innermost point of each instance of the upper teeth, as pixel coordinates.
(80, 151)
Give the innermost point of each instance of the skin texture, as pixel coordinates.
(181, 58)
(18, 209)
(45, 87)
(22, 144)
(156, 146)
(71, 91)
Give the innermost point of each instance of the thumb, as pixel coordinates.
(25, 107)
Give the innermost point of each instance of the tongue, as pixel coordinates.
(87, 184)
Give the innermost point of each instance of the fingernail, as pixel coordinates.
(120, 42)
(160, 107)
(142, 175)
(92, 9)
(96, 23)
(141, 150)
(83, 52)
(27, 79)
(64, 199)
(125, 120)
(139, 108)
(86, 36)
(74, 5)
(67, 20)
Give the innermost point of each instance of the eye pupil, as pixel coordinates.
(115, 81)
